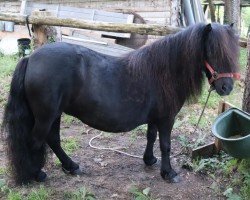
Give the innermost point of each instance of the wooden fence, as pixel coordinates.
(144, 29)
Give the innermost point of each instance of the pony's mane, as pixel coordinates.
(176, 62)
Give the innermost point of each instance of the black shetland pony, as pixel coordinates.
(147, 86)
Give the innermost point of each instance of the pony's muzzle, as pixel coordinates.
(223, 86)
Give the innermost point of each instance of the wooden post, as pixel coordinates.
(246, 97)
(42, 33)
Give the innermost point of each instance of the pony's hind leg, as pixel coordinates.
(37, 145)
(53, 141)
(149, 158)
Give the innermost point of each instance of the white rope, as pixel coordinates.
(115, 149)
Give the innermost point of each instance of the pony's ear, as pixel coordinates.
(208, 28)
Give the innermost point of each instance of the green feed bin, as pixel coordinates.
(233, 128)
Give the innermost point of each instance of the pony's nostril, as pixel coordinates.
(224, 87)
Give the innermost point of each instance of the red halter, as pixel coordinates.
(216, 75)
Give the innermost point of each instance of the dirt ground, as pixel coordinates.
(110, 175)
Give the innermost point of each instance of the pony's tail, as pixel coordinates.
(18, 122)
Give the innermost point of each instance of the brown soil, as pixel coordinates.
(111, 175)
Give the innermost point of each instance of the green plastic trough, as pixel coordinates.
(233, 128)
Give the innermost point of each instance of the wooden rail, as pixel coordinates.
(144, 29)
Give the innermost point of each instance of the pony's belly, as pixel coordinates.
(112, 125)
(106, 121)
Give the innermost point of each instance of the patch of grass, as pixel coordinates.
(79, 194)
(234, 171)
(143, 128)
(7, 65)
(245, 17)
(213, 99)
(217, 164)
(138, 130)
(36, 194)
(8, 193)
(244, 170)
(3, 170)
(208, 164)
(70, 145)
(57, 162)
(14, 195)
(39, 194)
(229, 193)
(107, 134)
(243, 59)
(69, 120)
(141, 194)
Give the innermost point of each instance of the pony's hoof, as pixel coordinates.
(77, 171)
(150, 161)
(171, 177)
(176, 179)
(41, 176)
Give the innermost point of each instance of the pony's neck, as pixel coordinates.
(174, 63)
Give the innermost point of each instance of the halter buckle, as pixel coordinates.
(215, 75)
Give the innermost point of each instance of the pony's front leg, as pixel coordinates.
(167, 173)
(149, 158)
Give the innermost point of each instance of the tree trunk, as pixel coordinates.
(227, 12)
(232, 13)
(212, 10)
(246, 97)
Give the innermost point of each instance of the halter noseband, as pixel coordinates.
(216, 75)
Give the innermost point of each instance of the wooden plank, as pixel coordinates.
(36, 5)
(130, 19)
(68, 14)
(87, 34)
(101, 18)
(76, 10)
(152, 14)
(85, 40)
(30, 6)
(204, 151)
(114, 50)
(98, 12)
(82, 13)
(161, 21)
(139, 9)
(111, 14)
(97, 15)
(23, 7)
(218, 145)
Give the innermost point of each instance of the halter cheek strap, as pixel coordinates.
(216, 75)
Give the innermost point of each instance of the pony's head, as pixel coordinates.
(221, 57)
